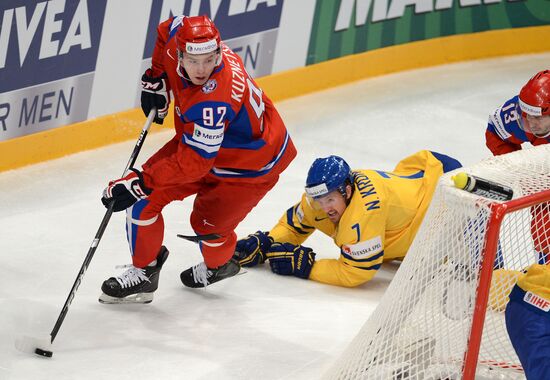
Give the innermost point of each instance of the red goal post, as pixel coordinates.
(442, 317)
(499, 210)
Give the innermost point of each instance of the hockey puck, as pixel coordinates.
(45, 353)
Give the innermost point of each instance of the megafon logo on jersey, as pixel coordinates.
(44, 41)
(208, 136)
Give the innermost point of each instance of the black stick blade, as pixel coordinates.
(199, 238)
(45, 353)
(31, 345)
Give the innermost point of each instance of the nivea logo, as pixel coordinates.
(234, 18)
(48, 40)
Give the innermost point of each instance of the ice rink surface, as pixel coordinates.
(256, 325)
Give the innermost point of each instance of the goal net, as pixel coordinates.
(442, 317)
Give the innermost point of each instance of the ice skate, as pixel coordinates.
(199, 275)
(135, 285)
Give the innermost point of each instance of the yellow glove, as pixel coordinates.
(501, 285)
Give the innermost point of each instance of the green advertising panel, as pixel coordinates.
(343, 27)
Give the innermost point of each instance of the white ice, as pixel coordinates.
(254, 326)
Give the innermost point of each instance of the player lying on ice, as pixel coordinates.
(372, 216)
(229, 147)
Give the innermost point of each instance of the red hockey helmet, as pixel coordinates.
(534, 103)
(197, 35)
(535, 95)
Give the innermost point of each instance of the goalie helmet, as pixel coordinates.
(326, 175)
(534, 102)
(197, 35)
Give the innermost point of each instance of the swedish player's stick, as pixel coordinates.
(43, 348)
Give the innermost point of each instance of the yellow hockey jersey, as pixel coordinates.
(536, 280)
(379, 223)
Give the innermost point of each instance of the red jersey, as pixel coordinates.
(504, 134)
(227, 127)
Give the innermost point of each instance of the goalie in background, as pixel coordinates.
(372, 215)
(528, 321)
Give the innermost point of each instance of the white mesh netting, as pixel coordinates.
(420, 329)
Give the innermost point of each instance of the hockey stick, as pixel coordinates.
(27, 344)
(199, 238)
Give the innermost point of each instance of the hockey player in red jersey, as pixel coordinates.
(526, 118)
(229, 149)
(523, 118)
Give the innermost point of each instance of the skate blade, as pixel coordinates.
(134, 298)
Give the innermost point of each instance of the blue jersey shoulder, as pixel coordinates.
(505, 121)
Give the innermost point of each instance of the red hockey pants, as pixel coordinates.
(219, 206)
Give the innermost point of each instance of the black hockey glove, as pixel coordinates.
(155, 94)
(125, 191)
(251, 250)
(288, 259)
